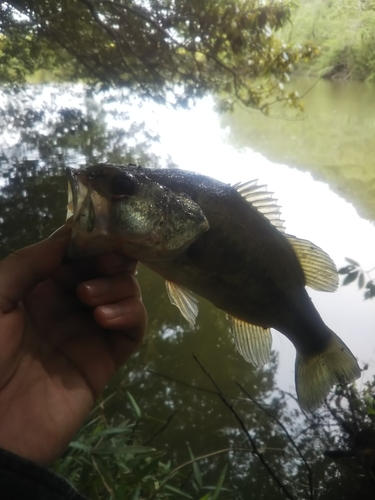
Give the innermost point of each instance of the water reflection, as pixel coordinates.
(50, 128)
(46, 131)
(333, 139)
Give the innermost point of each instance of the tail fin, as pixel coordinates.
(316, 376)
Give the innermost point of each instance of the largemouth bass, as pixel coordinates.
(225, 243)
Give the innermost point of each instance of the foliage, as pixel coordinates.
(326, 455)
(108, 460)
(353, 272)
(345, 32)
(346, 428)
(166, 50)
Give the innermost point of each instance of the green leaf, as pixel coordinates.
(350, 278)
(136, 410)
(352, 262)
(114, 430)
(206, 497)
(220, 483)
(134, 449)
(80, 446)
(137, 493)
(122, 490)
(196, 470)
(345, 270)
(108, 449)
(176, 490)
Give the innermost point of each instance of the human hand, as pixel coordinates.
(64, 331)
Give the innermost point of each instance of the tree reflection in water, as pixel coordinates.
(45, 129)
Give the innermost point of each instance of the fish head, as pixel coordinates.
(120, 208)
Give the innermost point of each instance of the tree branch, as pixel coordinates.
(247, 433)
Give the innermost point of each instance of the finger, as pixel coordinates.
(22, 270)
(114, 262)
(107, 264)
(127, 321)
(107, 290)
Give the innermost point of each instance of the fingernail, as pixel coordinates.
(113, 311)
(97, 288)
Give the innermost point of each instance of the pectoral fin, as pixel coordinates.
(184, 299)
(318, 267)
(253, 342)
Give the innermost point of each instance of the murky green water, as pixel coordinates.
(62, 127)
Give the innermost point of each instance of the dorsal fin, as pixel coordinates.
(252, 342)
(262, 200)
(318, 267)
(184, 299)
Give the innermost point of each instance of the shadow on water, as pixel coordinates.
(45, 129)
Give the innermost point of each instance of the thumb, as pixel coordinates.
(23, 269)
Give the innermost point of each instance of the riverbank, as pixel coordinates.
(344, 31)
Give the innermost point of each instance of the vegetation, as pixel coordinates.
(108, 460)
(169, 51)
(345, 32)
(329, 455)
(354, 273)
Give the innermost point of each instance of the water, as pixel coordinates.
(320, 167)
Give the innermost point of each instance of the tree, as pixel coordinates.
(167, 50)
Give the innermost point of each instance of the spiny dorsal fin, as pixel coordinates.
(253, 342)
(319, 269)
(262, 200)
(184, 299)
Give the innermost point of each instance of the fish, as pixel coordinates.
(226, 243)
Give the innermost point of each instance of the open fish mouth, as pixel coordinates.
(77, 192)
(89, 214)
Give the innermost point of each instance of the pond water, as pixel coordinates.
(319, 165)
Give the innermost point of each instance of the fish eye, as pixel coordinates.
(124, 184)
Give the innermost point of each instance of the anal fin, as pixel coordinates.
(184, 299)
(253, 342)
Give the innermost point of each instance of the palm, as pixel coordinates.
(55, 359)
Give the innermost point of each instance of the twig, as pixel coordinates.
(196, 459)
(181, 382)
(294, 444)
(251, 440)
(110, 490)
(162, 428)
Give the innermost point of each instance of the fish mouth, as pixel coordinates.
(77, 192)
(89, 214)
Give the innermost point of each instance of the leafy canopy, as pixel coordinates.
(168, 50)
